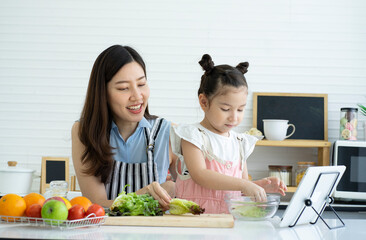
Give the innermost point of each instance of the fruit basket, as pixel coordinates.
(89, 221)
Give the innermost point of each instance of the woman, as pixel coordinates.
(117, 142)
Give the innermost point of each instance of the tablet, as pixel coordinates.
(317, 185)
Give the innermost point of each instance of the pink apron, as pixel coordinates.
(213, 201)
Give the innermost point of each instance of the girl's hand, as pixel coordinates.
(254, 190)
(272, 185)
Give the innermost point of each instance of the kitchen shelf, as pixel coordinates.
(323, 149)
(291, 189)
(294, 143)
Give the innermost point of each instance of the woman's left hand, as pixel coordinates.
(158, 193)
(272, 185)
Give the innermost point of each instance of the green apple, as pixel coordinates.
(54, 209)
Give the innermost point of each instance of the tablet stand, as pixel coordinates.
(330, 200)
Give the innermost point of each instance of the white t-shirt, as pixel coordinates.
(225, 148)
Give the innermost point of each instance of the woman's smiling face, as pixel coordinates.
(128, 93)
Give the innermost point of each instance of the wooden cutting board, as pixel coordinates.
(186, 220)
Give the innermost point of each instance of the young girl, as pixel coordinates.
(213, 156)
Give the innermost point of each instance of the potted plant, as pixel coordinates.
(363, 109)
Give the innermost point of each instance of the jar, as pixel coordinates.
(282, 172)
(348, 124)
(301, 169)
(57, 189)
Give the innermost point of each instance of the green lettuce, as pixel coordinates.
(181, 206)
(250, 211)
(132, 204)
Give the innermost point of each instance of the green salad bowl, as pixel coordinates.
(246, 208)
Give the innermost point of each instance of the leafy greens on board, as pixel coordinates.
(131, 204)
(181, 206)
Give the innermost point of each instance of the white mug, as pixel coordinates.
(276, 129)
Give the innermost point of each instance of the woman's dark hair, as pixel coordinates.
(96, 116)
(216, 77)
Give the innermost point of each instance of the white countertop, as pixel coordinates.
(355, 229)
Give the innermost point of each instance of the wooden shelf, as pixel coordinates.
(294, 143)
(322, 145)
(323, 150)
(291, 189)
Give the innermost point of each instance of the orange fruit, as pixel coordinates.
(83, 201)
(12, 205)
(34, 198)
(67, 203)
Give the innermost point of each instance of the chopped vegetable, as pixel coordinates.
(181, 206)
(250, 211)
(132, 204)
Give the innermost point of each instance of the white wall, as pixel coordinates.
(47, 49)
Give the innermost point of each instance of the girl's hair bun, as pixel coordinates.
(206, 63)
(243, 67)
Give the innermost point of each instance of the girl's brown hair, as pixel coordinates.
(216, 77)
(96, 116)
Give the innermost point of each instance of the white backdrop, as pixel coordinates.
(47, 49)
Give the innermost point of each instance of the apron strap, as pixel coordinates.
(151, 137)
(136, 175)
(241, 151)
(207, 153)
(207, 148)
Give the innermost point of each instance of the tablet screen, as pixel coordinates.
(317, 185)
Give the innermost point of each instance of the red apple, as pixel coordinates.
(76, 212)
(34, 211)
(55, 198)
(96, 209)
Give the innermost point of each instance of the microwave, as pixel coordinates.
(351, 154)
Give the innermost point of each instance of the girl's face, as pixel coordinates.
(127, 93)
(224, 112)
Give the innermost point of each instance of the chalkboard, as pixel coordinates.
(53, 168)
(308, 112)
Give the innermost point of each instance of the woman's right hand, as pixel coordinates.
(251, 189)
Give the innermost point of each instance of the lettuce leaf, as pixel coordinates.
(250, 211)
(132, 204)
(181, 206)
